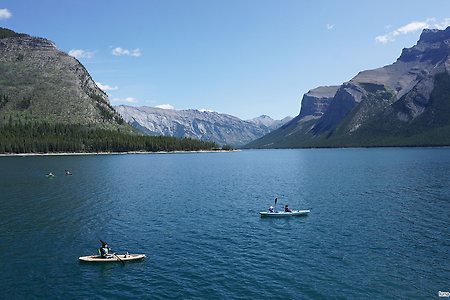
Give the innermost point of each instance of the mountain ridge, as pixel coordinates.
(396, 94)
(201, 124)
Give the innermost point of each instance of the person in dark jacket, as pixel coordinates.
(105, 250)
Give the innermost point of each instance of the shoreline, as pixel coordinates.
(111, 153)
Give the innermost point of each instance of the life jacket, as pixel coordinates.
(104, 251)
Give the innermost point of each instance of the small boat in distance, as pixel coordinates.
(67, 172)
(277, 214)
(50, 175)
(272, 212)
(114, 258)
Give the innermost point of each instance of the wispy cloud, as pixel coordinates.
(80, 53)
(411, 27)
(127, 99)
(105, 87)
(165, 106)
(5, 14)
(330, 26)
(118, 51)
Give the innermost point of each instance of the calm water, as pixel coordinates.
(378, 228)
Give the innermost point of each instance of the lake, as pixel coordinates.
(378, 227)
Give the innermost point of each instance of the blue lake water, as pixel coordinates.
(378, 228)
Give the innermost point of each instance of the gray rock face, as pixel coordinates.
(413, 66)
(316, 101)
(345, 99)
(45, 83)
(203, 125)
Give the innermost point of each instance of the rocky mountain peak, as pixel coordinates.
(434, 35)
(405, 103)
(433, 46)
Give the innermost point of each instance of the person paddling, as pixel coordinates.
(105, 250)
(287, 209)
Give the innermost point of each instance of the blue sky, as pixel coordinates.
(245, 58)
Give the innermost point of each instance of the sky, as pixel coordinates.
(245, 58)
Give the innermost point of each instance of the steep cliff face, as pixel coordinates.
(203, 125)
(40, 83)
(375, 104)
(316, 101)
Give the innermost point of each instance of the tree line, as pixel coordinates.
(43, 137)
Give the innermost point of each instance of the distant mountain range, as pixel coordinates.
(406, 103)
(203, 125)
(40, 83)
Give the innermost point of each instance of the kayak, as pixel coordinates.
(123, 257)
(285, 214)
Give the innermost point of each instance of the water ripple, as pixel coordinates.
(378, 226)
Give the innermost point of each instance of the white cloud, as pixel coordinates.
(412, 27)
(127, 99)
(330, 26)
(5, 14)
(384, 39)
(118, 51)
(444, 24)
(105, 87)
(80, 53)
(165, 106)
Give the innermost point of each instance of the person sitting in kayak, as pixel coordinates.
(105, 250)
(271, 209)
(287, 209)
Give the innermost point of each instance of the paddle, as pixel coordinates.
(119, 259)
(276, 199)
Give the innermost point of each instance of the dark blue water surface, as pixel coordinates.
(379, 225)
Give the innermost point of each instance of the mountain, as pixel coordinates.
(41, 83)
(267, 122)
(406, 103)
(203, 125)
(49, 103)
